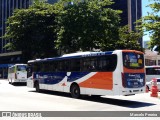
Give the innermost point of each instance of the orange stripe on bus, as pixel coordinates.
(126, 70)
(139, 52)
(101, 80)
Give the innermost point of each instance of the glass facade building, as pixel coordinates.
(132, 11)
(6, 10)
(7, 58)
(52, 1)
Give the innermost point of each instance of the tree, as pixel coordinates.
(87, 25)
(128, 39)
(32, 31)
(151, 23)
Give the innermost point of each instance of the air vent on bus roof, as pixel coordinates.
(76, 54)
(38, 59)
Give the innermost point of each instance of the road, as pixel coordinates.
(22, 98)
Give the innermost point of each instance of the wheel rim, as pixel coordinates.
(75, 91)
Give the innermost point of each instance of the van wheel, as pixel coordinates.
(75, 91)
(37, 87)
(11, 82)
(147, 87)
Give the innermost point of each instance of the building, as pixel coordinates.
(52, 1)
(132, 11)
(6, 10)
(8, 58)
(152, 57)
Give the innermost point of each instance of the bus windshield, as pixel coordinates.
(133, 60)
(153, 71)
(21, 68)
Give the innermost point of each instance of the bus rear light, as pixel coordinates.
(123, 80)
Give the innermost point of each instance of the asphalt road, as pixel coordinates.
(22, 98)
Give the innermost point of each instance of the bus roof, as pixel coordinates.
(80, 55)
(73, 55)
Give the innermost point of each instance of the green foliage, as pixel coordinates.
(151, 23)
(87, 25)
(129, 39)
(32, 31)
(42, 29)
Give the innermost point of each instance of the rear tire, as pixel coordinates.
(75, 91)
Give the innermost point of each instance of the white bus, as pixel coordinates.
(152, 72)
(119, 72)
(17, 73)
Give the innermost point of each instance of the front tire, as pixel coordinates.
(147, 88)
(12, 83)
(75, 91)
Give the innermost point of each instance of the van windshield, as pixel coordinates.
(21, 68)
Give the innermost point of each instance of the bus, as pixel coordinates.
(119, 72)
(17, 73)
(152, 72)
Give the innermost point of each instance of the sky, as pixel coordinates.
(144, 13)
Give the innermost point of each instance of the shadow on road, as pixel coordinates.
(19, 84)
(122, 103)
(112, 101)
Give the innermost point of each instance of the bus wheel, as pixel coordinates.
(37, 87)
(75, 91)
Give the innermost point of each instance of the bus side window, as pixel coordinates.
(75, 65)
(107, 63)
(85, 64)
(150, 71)
(36, 67)
(60, 66)
(66, 65)
(54, 66)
